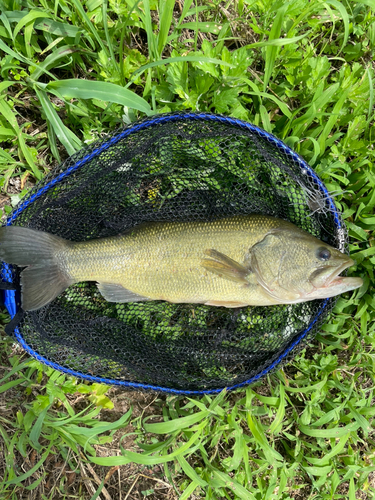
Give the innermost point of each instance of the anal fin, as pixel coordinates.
(113, 292)
(225, 303)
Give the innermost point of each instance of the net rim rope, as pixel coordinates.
(10, 295)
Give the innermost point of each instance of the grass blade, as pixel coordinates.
(334, 432)
(185, 11)
(124, 32)
(190, 472)
(138, 458)
(15, 15)
(7, 132)
(272, 50)
(370, 3)
(333, 453)
(4, 85)
(171, 60)
(98, 491)
(104, 91)
(260, 438)
(70, 141)
(109, 43)
(6, 23)
(37, 428)
(89, 25)
(332, 120)
(371, 100)
(52, 142)
(266, 123)
(165, 20)
(227, 482)
(360, 419)
(29, 18)
(277, 42)
(344, 16)
(30, 472)
(208, 27)
(310, 388)
(21, 58)
(151, 39)
(276, 425)
(51, 60)
(27, 34)
(318, 471)
(352, 489)
(6, 111)
(12, 383)
(176, 425)
(21, 366)
(282, 105)
(316, 150)
(189, 491)
(301, 123)
(57, 28)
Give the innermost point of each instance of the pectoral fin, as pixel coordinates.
(116, 293)
(265, 259)
(225, 267)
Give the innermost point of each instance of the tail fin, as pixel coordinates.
(44, 277)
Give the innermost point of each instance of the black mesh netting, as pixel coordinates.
(174, 167)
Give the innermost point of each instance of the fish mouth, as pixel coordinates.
(334, 283)
(334, 278)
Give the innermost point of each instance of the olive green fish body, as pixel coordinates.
(236, 261)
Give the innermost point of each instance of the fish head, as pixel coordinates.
(293, 266)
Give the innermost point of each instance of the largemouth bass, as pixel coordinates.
(232, 262)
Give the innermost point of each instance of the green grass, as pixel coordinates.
(301, 70)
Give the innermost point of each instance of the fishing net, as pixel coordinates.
(176, 167)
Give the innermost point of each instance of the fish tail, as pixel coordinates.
(44, 277)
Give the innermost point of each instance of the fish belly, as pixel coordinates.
(162, 261)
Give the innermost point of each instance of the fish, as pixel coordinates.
(236, 261)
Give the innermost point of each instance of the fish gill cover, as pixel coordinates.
(176, 167)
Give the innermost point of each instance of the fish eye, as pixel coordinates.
(323, 254)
